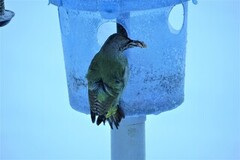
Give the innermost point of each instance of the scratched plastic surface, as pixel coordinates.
(156, 82)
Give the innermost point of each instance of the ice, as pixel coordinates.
(156, 82)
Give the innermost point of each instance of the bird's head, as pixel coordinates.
(120, 43)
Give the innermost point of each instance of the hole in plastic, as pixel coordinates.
(105, 30)
(176, 18)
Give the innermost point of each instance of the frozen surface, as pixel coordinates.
(156, 81)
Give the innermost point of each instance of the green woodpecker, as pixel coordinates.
(107, 76)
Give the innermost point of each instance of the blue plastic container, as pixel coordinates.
(156, 81)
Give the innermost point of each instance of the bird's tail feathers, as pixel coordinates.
(101, 119)
(116, 118)
(113, 119)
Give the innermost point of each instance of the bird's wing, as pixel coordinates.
(114, 82)
(100, 102)
(105, 84)
(117, 76)
(100, 99)
(93, 74)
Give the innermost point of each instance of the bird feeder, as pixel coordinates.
(156, 82)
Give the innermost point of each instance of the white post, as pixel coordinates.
(128, 141)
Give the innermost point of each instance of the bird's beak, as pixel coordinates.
(136, 43)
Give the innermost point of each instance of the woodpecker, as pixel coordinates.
(107, 76)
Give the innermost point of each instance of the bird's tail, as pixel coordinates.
(116, 117)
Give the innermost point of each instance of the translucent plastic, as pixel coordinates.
(156, 82)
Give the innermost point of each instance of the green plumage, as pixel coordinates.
(107, 76)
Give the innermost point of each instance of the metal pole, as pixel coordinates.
(128, 141)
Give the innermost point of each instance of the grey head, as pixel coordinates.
(118, 43)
